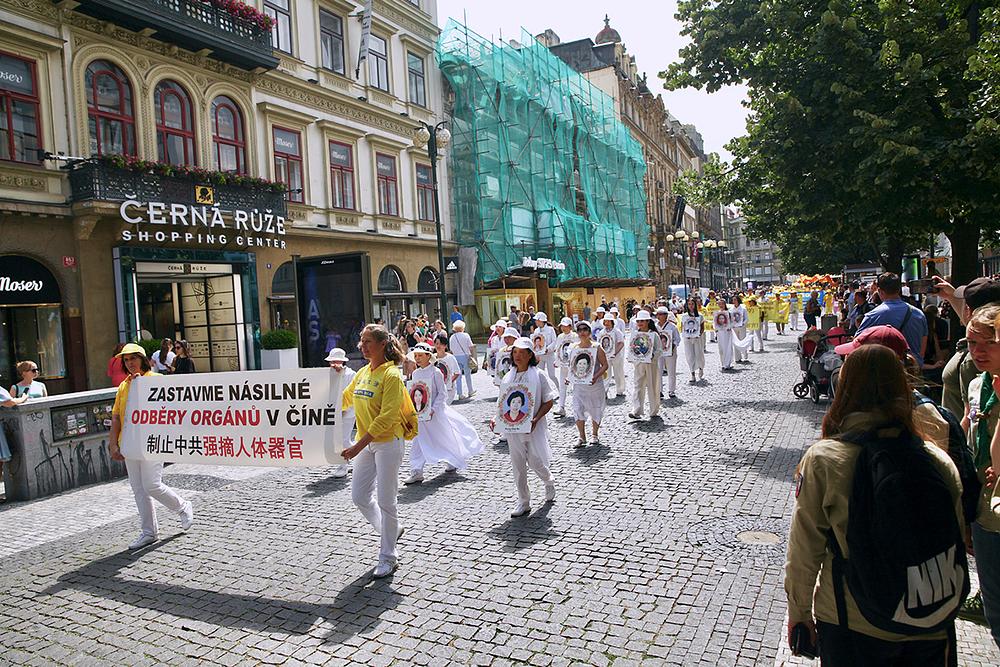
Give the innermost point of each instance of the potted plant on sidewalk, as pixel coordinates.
(280, 349)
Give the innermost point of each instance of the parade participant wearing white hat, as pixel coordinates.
(504, 356)
(338, 364)
(531, 448)
(464, 349)
(590, 399)
(670, 338)
(693, 335)
(385, 416)
(566, 337)
(448, 366)
(444, 436)
(739, 315)
(546, 351)
(619, 322)
(646, 374)
(598, 323)
(722, 322)
(145, 477)
(493, 346)
(613, 351)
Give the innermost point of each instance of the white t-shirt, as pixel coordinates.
(158, 365)
(460, 344)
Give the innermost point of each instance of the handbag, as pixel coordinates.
(473, 364)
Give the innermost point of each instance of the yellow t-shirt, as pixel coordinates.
(709, 313)
(753, 317)
(378, 397)
(121, 398)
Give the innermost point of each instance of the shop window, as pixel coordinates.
(378, 63)
(331, 38)
(417, 79)
(281, 34)
(109, 108)
(390, 280)
(30, 318)
(288, 161)
(156, 309)
(428, 280)
(174, 125)
(388, 198)
(342, 175)
(425, 193)
(20, 125)
(228, 136)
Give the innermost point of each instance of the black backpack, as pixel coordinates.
(961, 456)
(908, 571)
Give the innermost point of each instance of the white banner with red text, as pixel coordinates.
(281, 418)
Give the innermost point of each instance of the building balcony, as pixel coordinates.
(195, 25)
(94, 180)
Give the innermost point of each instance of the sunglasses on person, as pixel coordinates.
(34, 370)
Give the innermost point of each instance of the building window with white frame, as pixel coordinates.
(388, 197)
(425, 193)
(378, 63)
(417, 79)
(281, 34)
(331, 37)
(342, 175)
(288, 161)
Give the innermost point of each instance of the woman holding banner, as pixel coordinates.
(145, 477)
(385, 417)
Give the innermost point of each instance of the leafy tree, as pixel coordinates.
(872, 124)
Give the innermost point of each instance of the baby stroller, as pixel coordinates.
(818, 361)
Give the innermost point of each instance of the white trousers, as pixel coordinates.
(525, 452)
(765, 326)
(742, 354)
(618, 372)
(669, 364)
(563, 387)
(146, 479)
(725, 339)
(547, 363)
(647, 385)
(694, 353)
(376, 475)
(758, 339)
(795, 321)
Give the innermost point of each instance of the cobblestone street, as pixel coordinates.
(665, 546)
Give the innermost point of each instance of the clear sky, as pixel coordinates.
(648, 29)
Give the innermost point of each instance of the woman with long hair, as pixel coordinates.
(385, 415)
(693, 337)
(163, 359)
(183, 363)
(873, 395)
(590, 399)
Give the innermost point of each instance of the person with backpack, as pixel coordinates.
(897, 313)
(876, 567)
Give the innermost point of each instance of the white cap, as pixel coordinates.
(585, 323)
(541, 317)
(662, 310)
(609, 317)
(424, 348)
(337, 354)
(600, 309)
(643, 315)
(614, 309)
(565, 322)
(510, 332)
(523, 343)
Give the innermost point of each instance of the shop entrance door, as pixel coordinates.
(200, 303)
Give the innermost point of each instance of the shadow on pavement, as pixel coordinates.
(356, 609)
(524, 532)
(326, 485)
(417, 492)
(776, 463)
(591, 454)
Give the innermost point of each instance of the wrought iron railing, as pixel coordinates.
(93, 180)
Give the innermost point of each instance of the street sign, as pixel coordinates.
(451, 264)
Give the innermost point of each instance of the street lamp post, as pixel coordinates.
(434, 137)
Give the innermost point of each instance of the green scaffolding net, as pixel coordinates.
(540, 164)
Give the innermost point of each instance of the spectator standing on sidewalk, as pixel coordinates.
(7, 401)
(897, 313)
(462, 347)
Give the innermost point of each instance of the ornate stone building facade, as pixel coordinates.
(132, 129)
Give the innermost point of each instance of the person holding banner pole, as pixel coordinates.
(566, 337)
(338, 364)
(145, 477)
(385, 416)
(590, 399)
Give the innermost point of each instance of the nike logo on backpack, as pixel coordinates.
(931, 582)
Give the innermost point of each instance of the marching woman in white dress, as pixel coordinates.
(590, 399)
(644, 353)
(614, 350)
(526, 397)
(565, 339)
(338, 364)
(692, 333)
(738, 322)
(670, 339)
(443, 435)
(724, 335)
(546, 355)
(618, 361)
(503, 359)
(447, 365)
(493, 346)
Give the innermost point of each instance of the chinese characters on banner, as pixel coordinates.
(261, 418)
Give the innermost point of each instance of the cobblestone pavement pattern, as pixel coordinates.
(639, 561)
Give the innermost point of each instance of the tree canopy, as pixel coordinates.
(872, 124)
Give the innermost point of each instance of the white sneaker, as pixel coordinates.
(143, 541)
(340, 471)
(580, 442)
(471, 393)
(550, 492)
(384, 569)
(187, 517)
(520, 510)
(451, 469)
(701, 373)
(414, 478)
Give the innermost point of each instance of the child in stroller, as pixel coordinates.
(818, 361)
